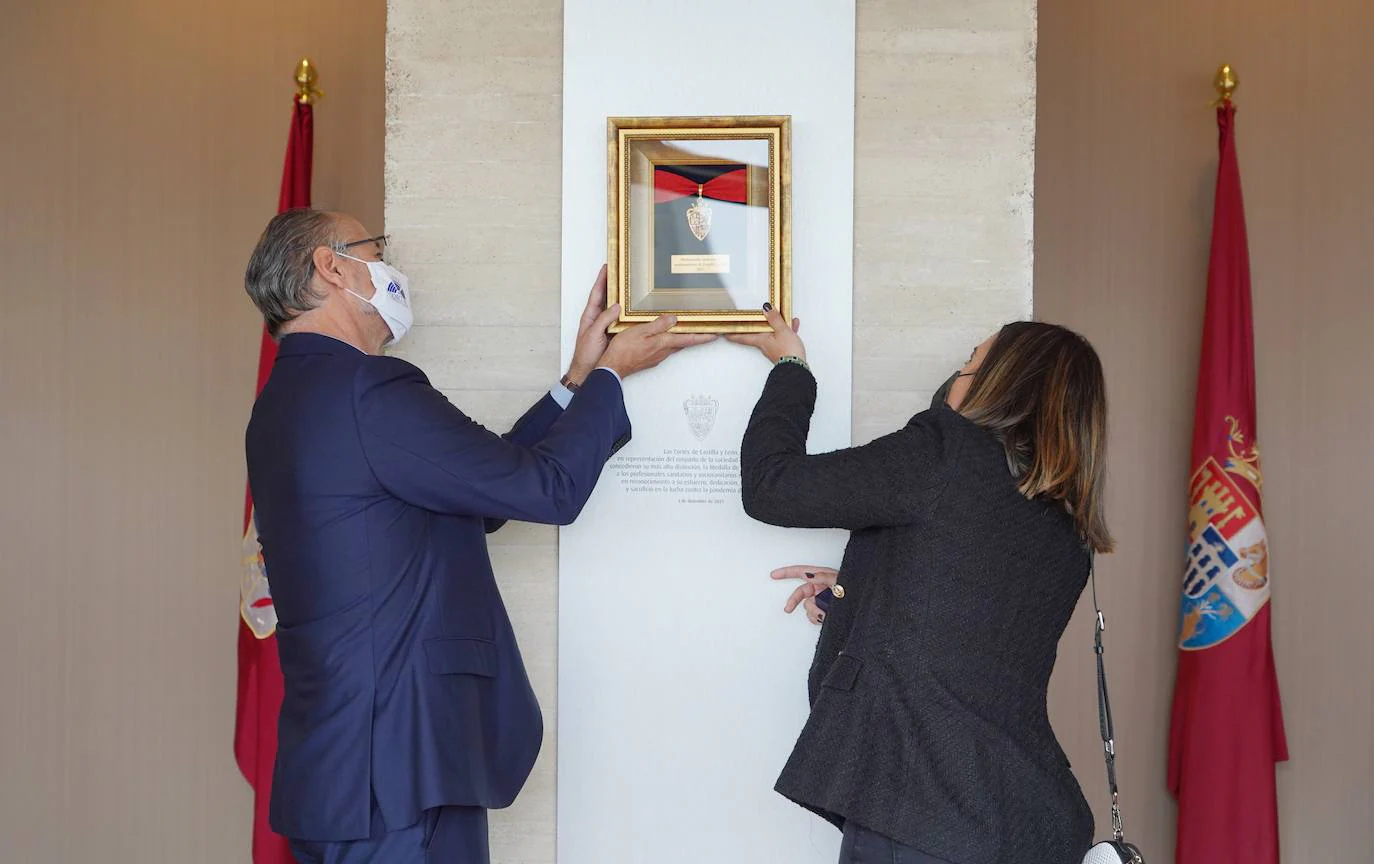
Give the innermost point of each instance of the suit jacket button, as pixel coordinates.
(838, 591)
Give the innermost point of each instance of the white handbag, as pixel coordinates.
(1115, 850)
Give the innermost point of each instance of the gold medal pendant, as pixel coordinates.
(699, 216)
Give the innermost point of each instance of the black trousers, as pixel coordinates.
(862, 846)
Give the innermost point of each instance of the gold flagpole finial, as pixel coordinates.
(306, 76)
(1225, 83)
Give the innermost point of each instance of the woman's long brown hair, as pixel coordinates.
(1040, 391)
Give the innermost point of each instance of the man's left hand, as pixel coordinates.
(592, 337)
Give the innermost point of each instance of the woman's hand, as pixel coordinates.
(782, 342)
(814, 580)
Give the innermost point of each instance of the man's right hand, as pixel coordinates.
(644, 346)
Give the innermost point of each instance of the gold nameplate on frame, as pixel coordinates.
(699, 220)
(700, 264)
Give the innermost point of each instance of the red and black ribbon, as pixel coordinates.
(731, 185)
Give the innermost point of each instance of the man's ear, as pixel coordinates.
(328, 267)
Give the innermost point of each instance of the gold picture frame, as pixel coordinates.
(711, 256)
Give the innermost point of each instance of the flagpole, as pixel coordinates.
(1226, 723)
(260, 685)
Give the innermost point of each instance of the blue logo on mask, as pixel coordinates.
(393, 288)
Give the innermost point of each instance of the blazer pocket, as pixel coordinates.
(843, 673)
(458, 656)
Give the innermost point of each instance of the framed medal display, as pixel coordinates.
(699, 220)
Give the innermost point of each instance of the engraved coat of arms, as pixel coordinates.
(701, 415)
(699, 217)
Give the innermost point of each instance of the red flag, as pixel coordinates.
(1226, 731)
(260, 681)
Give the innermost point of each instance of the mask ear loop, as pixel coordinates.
(365, 263)
(342, 254)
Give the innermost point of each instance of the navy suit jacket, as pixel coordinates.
(373, 495)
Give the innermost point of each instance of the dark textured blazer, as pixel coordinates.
(928, 721)
(404, 687)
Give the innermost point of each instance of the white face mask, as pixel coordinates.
(390, 296)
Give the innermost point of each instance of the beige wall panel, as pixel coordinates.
(142, 152)
(1125, 170)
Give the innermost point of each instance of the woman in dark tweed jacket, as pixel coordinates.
(973, 529)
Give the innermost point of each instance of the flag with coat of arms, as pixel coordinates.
(260, 687)
(1226, 731)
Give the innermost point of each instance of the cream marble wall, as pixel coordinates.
(944, 169)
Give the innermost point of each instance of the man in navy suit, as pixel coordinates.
(407, 711)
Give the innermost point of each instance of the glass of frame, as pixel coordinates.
(699, 221)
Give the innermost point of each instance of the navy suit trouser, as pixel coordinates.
(446, 835)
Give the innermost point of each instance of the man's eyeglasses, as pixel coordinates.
(378, 245)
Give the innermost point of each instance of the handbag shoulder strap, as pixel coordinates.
(1104, 706)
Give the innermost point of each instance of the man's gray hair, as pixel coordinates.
(279, 273)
